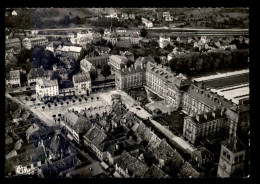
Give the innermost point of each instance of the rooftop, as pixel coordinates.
(69, 48)
(78, 122)
(13, 40)
(88, 171)
(81, 78)
(104, 56)
(47, 83)
(166, 75)
(207, 97)
(132, 164)
(208, 116)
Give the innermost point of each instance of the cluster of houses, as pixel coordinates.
(122, 37)
(38, 151)
(210, 116)
(84, 37)
(115, 135)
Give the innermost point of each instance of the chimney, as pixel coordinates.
(222, 111)
(125, 66)
(205, 116)
(129, 69)
(198, 118)
(117, 147)
(214, 114)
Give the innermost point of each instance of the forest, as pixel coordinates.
(196, 63)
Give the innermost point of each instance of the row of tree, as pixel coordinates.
(201, 63)
(107, 22)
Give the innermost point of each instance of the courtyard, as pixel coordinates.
(46, 111)
(174, 121)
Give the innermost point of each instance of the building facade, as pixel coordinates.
(82, 84)
(197, 99)
(13, 79)
(128, 78)
(117, 62)
(46, 89)
(35, 74)
(69, 51)
(13, 43)
(98, 60)
(147, 23)
(86, 66)
(232, 159)
(208, 125)
(163, 82)
(76, 125)
(29, 43)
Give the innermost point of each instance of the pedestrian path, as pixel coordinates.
(178, 140)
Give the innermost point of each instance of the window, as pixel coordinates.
(241, 157)
(224, 153)
(228, 156)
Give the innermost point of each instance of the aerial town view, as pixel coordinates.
(127, 93)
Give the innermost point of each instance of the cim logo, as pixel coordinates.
(23, 170)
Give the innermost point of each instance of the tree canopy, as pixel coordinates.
(106, 70)
(143, 32)
(201, 63)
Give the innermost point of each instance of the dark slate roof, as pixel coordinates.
(155, 172)
(125, 144)
(79, 123)
(101, 48)
(28, 157)
(166, 75)
(56, 144)
(234, 145)
(207, 97)
(88, 171)
(81, 78)
(134, 165)
(188, 171)
(165, 152)
(66, 163)
(203, 153)
(209, 116)
(95, 135)
(130, 70)
(104, 56)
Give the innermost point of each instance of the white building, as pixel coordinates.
(14, 13)
(86, 66)
(72, 51)
(112, 15)
(46, 89)
(117, 62)
(82, 84)
(13, 79)
(29, 43)
(164, 41)
(147, 23)
(35, 74)
(167, 16)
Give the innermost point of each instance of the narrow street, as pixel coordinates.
(186, 146)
